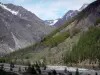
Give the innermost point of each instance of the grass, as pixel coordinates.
(54, 41)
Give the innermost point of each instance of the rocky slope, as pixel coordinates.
(19, 28)
(67, 16)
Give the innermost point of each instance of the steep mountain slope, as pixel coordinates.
(84, 6)
(67, 16)
(82, 32)
(19, 28)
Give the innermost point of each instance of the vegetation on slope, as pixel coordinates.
(97, 21)
(55, 40)
(88, 47)
(51, 40)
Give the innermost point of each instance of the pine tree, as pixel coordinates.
(54, 72)
(11, 66)
(19, 69)
(77, 72)
(96, 73)
(65, 70)
(1, 66)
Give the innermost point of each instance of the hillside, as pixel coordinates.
(19, 28)
(68, 43)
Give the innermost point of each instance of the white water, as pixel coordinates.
(72, 69)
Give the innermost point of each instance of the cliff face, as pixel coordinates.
(19, 28)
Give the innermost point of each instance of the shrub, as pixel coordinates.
(77, 72)
(2, 60)
(97, 21)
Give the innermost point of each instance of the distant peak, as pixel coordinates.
(83, 6)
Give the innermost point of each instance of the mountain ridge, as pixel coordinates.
(18, 31)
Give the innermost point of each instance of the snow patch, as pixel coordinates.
(83, 7)
(53, 22)
(11, 49)
(28, 25)
(12, 11)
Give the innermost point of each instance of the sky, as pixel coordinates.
(49, 9)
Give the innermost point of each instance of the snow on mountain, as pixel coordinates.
(54, 21)
(67, 16)
(19, 28)
(50, 22)
(12, 11)
(83, 7)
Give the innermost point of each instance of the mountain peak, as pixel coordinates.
(6, 8)
(83, 6)
(19, 28)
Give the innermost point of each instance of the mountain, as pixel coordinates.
(50, 22)
(84, 6)
(75, 42)
(67, 16)
(19, 28)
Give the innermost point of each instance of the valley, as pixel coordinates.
(71, 42)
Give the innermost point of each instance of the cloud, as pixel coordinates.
(55, 9)
(17, 2)
(50, 9)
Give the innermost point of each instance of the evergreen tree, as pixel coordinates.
(11, 66)
(65, 70)
(77, 72)
(54, 72)
(1, 66)
(96, 73)
(70, 73)
(19, 69)
(38, 68)
(49, 73)
(31, 70)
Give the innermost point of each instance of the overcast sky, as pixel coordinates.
(49, 9)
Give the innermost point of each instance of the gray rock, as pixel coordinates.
(19, 28)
